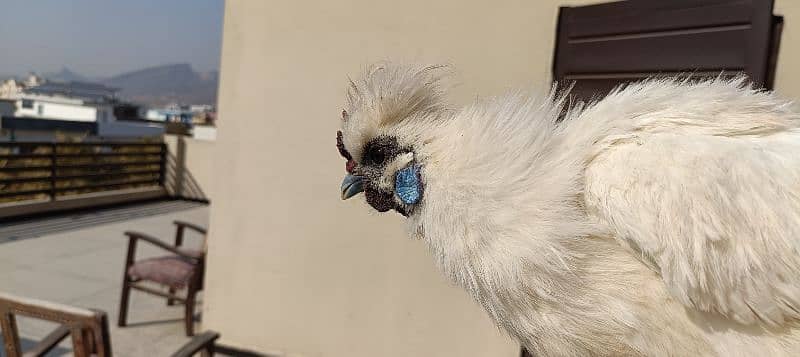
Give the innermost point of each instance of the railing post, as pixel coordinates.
(162, 175)
(53, 164)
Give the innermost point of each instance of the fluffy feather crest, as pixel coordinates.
(388, 94)
(392, 93)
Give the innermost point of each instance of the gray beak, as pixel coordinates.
(351, 186)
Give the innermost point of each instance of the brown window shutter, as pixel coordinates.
(601, 46)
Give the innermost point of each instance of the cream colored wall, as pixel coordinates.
(191, 170)
(292, 269)
(787, 79)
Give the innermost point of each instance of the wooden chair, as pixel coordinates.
(181, 270)
(88, 328)
(205, 343)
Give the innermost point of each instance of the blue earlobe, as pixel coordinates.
(407, 185)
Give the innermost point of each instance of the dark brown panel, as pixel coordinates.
(774, 49)
(648, 6)
(711, 49)
(601, 46)
(641, 20)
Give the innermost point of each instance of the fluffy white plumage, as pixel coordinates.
(663, 220)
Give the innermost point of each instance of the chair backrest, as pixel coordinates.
(88, 328)
(180, 233)
(601, 46)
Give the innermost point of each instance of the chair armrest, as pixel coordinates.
(158, 243)
(192, 226)
(203, 341)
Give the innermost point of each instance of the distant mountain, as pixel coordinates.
(154, 86)
(65, 75)
(160, 85)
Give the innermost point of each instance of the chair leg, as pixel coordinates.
(171, 302)
(8, 323)
(88, 337)
(189, 313)
(123, 303)
(207, 352)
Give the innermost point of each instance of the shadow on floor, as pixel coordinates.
(153, 322)
(57, 223)
(27, 344)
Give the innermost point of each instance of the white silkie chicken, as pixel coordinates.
(663, 220)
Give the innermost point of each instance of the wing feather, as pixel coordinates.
(718, 217)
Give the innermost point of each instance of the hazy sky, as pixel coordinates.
(106, 37)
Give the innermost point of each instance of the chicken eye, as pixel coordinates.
(374, 157)
(379, 150)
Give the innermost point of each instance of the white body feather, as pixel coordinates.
(663, 220)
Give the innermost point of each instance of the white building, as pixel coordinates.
(68, 101)
(155, 114)
(10, 89)
(34, 80)
(42, 110)
(201, 108)
(56, 107)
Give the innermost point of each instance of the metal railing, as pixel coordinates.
(34, 170)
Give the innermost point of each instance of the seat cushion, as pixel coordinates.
(173, 271)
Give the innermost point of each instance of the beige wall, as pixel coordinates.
(294, 270)
(787, 79)
(190, 169)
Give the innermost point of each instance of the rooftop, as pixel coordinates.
(82, 90)
(77, 259)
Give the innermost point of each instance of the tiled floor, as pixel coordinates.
(78, 260)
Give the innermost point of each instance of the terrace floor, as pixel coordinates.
(77, 259)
